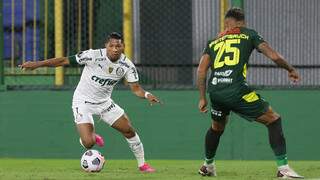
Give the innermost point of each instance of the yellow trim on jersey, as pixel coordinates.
(251, 97)
(244, 73)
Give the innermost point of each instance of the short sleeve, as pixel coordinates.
(206, 50)
(84, 57)
(257, 39)
(132, 74)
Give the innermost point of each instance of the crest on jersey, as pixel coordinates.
(120, 71)
(110, 69)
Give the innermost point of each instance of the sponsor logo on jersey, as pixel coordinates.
(102, 82)
(110, 69)
(81, 53)
(120, 71)
(100, 59)
(225, 80)
(124, 64)
(85, 59)
(216, 113)
(223, 73)
(134, 71)
(216, 81)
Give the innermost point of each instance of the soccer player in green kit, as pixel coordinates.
(227, 55)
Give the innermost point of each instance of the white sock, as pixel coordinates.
(136, 147)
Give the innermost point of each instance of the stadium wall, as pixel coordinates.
(39, 124)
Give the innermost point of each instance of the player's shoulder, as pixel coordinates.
(125, 61)
(97, 52)
(248, 30)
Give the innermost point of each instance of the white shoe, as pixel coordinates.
(285, 172)
(208, 170)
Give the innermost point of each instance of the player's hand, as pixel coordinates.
(29, 65)
(153, 99)
(203, 105)
(294, 76)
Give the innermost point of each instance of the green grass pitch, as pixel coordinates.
(58, 169)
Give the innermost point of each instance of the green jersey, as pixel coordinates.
(229, 54)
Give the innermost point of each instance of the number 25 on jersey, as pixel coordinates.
(226, 47)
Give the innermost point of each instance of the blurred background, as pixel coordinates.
(165, 39)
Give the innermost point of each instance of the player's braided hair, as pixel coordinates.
(235, 13)
(114, 35)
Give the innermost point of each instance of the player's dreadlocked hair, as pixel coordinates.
(235, 13)
(114, 35)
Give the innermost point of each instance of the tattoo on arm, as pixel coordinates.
(284, 64)
(275, 56)
(202, 84)
(202, 75)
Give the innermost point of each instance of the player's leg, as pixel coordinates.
(85, 126)
(253, 107)
(276, 137)
(114, 116)
(219, 115)
(86, 132)
(88, 137)
(124, 126)
(212, 140)
(277, 141)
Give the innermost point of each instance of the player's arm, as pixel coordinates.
(279, 60)
(201, 81)
(140, 92)
(53, 62)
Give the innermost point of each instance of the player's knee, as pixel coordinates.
(275, 120)
(129, 132)
(272, 119)
(218, 126)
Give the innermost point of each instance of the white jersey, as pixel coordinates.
(100, 75)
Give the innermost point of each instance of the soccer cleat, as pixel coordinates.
(208, 170)
(99, 140)
(146, 168)
(285, 172)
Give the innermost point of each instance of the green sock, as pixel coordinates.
(208, 161)
(282, 160)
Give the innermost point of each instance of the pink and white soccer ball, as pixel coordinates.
(92, 161)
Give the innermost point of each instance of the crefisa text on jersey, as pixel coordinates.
(108, 82)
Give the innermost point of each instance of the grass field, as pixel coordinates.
(57, 169)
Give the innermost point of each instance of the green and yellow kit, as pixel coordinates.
(227, 87)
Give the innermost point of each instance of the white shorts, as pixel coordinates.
(108, 111)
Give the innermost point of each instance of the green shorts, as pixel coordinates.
(249, 106)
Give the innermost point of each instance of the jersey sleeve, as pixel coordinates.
(132, 74)
(82, 58)
(257, 39)
(206, 50)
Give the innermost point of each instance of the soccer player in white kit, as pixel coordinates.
(103, 68)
